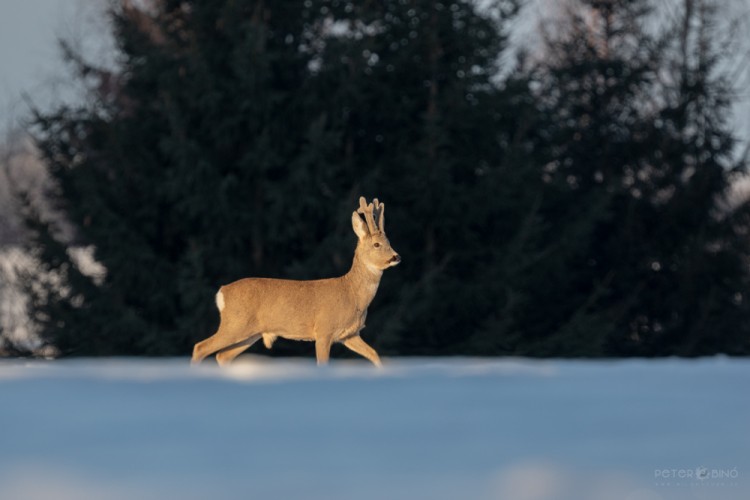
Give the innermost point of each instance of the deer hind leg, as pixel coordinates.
(226, 336)
(226, 355)
(205, 348)
(359, 346)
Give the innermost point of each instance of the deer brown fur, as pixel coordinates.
(324, 311)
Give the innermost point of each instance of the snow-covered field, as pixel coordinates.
(459, 428)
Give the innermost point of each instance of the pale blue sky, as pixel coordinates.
(28, 53)
(29, 57)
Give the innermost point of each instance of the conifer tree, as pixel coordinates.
(236, 137)
(427, 126)
(178, 173)
(578, 219)
(641, 163)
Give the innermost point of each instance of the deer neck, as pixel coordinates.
(363, 281)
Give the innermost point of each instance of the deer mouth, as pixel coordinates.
(395, 260)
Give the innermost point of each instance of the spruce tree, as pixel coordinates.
(641, 164)
(236, 138)
(577, 219)
(427, 126)
(179, 172)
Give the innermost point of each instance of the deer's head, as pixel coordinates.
(373, 246)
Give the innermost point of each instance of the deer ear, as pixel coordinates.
(359, 225)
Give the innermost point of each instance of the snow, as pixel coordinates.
(418, 428)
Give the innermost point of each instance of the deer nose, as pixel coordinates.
(396, 258)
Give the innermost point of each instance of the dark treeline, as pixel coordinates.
(573, 207)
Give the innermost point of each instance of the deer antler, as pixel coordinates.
(379, 214)
(367, 210)
(372, 212)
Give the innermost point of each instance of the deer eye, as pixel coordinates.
(376, 245)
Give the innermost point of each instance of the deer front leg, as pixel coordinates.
(322, 350)
(359, 346)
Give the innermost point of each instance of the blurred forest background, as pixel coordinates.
(575, 198)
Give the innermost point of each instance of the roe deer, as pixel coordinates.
(325, 311)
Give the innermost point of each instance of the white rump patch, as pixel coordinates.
(220, 301)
